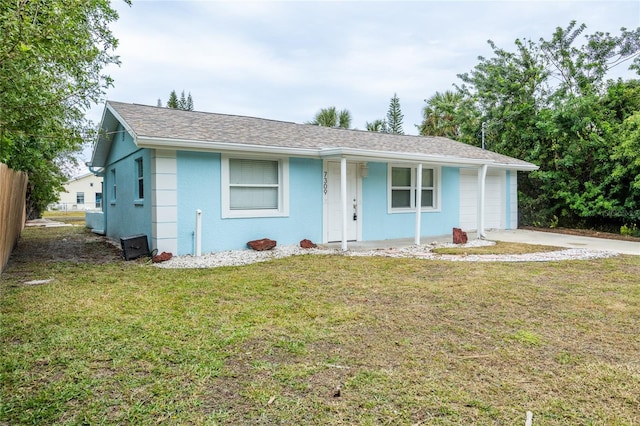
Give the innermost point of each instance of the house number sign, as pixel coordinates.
(324, 183)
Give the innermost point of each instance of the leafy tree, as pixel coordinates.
(623, 102)
(582, 70)
(395, 116)
(51, 59)
(549, 103)
(378, 126)
(330, 117)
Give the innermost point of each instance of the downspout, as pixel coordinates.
(98, 172)
(418, 204)
(343, 196)
(482, 175)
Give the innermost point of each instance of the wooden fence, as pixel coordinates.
(13, 191)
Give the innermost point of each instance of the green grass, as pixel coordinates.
(500, 247)
(72, 217)
(408, 341)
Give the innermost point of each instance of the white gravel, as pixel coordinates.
(245, 257)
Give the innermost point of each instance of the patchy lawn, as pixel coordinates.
(315, 340)
(500, 247)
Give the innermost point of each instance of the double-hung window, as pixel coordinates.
(253, 187)
(79, 197)
(113, 186)
(403, 188)
(140, 179)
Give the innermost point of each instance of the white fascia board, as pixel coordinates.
(324, 153)
(166, 143)
(121, 121)
(399, 157)
(507, 166)
(103, 143)
(98, 153)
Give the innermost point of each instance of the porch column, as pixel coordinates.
(482, 177)
(343, 197)
(418, 204)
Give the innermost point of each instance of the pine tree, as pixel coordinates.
(173, 100)
(395, 116)
(189, 106)
(182, 103)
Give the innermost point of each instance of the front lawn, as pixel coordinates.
(317, 340)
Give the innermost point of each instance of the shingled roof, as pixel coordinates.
(158, 127)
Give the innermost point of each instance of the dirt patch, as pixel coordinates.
(584, 233)
(64, 244)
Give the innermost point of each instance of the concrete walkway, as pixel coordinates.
(47, 223)
(563, 240)
(513, 236)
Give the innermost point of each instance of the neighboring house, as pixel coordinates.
(81, 193)
(249, 178)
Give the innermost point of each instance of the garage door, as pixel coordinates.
(495, 199)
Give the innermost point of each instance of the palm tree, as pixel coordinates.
(440, 115)
(378, 126)
(330, 117)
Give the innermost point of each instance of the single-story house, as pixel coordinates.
(82, 192)
(202, 182)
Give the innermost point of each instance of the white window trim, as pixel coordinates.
(437, 188)
(283, 188)
(114, 187)
(139, 162)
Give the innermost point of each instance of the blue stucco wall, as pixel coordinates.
(378, 224)
(199, 186)
(126, 215)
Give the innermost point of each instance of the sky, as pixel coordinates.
(284, 60)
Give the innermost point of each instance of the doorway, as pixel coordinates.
(334, 202)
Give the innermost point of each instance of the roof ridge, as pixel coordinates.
(180, 111)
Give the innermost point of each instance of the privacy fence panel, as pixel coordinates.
(13, 190)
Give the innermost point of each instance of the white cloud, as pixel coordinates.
(285, 60)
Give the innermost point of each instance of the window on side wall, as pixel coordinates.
(403, 188)
(140, 179)
(254, 187)
(79, 197)
(113, 185)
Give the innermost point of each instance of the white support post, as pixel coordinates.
(418, 204)
(343, 197)
(198, 232)
(482, 178)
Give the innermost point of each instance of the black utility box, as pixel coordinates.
(134, 246)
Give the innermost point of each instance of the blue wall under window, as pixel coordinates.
(127, 215)
(379, 224)
(199, 187)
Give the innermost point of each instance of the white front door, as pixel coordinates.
(334, 202)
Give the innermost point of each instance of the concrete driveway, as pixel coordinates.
(563, 240)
